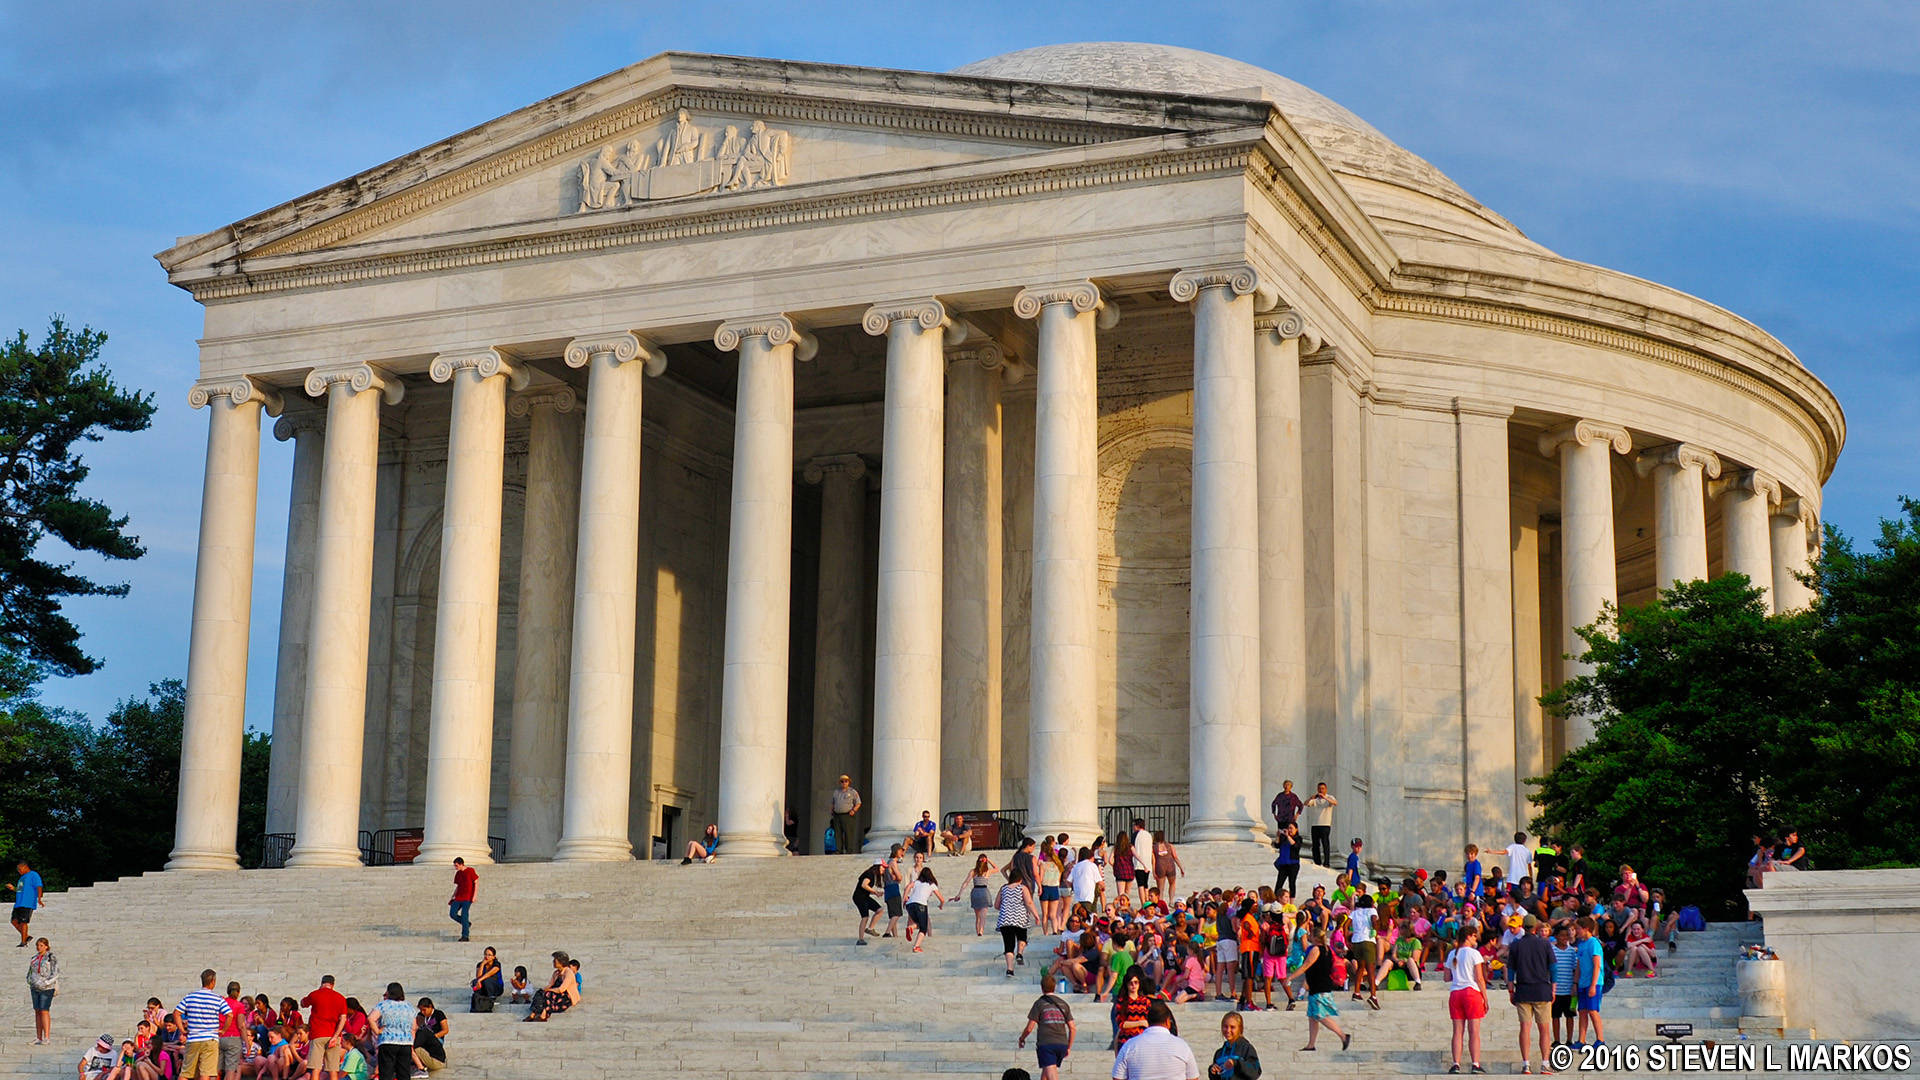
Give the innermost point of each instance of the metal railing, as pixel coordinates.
(1170, 818)
(274, 847)
(387, 847)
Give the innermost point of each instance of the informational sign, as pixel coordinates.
(406, 845)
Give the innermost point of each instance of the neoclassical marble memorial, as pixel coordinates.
(1095, 424)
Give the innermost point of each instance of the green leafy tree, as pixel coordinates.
(52, 397)
(1688, 695)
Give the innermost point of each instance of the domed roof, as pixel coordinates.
(1363, 157)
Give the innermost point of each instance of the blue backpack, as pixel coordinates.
(1691, 919)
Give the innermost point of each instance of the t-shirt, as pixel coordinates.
(920, 892)
(1577, 873)
(1086, 877)
(325, 1007)
(1361, 922)
(1353, 865)
(924, 827)
(1122, 960)
(876, 876)
(425, 1038)
(463, 882)
(1518, 856)
(231, 1025)
(1319, 812)
(1587, 961)
(1155, 1054)
(1286, 807)
(1051, 1014)
(1462, 963)
(1471, 877)
(203, 1009)
(844, 800)
(396, 1022)
(1563, 958)
(26, 894)
(1142, 851)
(1194, 973)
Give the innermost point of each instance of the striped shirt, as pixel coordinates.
(203, 1009)
(1563, 969)
(1013, 906)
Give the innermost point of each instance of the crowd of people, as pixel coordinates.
(1114, 923)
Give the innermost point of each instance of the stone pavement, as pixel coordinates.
(739, 969)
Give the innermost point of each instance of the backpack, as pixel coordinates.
(1691, 919)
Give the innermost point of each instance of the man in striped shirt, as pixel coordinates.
(200, 1013)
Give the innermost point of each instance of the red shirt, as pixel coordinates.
(463, 880)
(325, 1007)
(230, 1023)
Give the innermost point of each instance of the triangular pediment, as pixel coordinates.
(620, 144)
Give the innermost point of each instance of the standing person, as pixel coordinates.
(1316, 975)
(1564, 957)
(1131, 1004)
(1025, 867)
(1143, 853)
(1364, 948)
(28, 894)
(868, 893)
(1519, 858)
(200, 1012)
(980, 893)
(895, 884)
(1050, 1020)
(43, 982)
(392, 1020)
(1286, 806)
(1123, 863)
(1530, 988)
(1577, 874)
(1156, 1053)
(1354, 848)
(844, 808)
(326, 1044)
(233, 1034)
(1589, 964)
(1470, 875)
(1466, 998)
(1319, 814)
(1084, 879)
(460, 907)
(1167, 866)
(1236, 1059)
(1017, 913)
(923, 890)
(1286, 864)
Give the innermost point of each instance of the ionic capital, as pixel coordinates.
(239, 389)
(777, 328)
(621, 346)
(1082, 295)
(851, 466)
(1757, 482)
(1287, 324)
(1241, 278)
(300, 421)
(359, 378)
(1796, 509)
(1680, 456)
(485, 364)
(558, 397)
(1586, 433)
(926, 311)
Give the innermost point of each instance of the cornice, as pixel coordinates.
(238, 389)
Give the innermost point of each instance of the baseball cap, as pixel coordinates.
(1529, 922)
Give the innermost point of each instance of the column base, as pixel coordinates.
(444, 854)
(308, 857)
(202, 860)
(1225, 829)
(1078, 832)
(752, 846)
(593, 849)
(881, 841)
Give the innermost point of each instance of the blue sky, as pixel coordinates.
(1765, 157)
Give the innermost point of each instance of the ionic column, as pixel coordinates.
(594, 823)
(307, 428)
(1223, 729)
(906, 661)
(970, 580)
(1679, 475)
(537, 754)
(1063, 789)
(753, 689)
(1278, 340)
(1745, 505)
(327, 826)
(837, 637)
(1792, 524)
(208, 813)
(1588, 580)
(467, 621)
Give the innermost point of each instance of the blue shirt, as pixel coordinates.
(1472, 878)
(203, 1009)
(1587, 963)
(27, 892)
(1353, 865)
(396, 1022)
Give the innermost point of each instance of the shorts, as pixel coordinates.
(1140, 878)
(918, 913)
(202, 1059)
(923, 844)
(232, 1051)
(42, 999)
(1588, 1002)
(1466, 1004)
(1011, 936)
(1533, 1012)
(1228, 950)
(1273, 967)
(866, 905)
(1321, 1006)
(317, 1049)
(1563, 1006)
(1049, 893)
(894, 908)
(1366, 954)
(1249, 967)
(22, 916)
(1051, 1054)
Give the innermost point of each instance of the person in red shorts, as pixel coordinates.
(1467, 998)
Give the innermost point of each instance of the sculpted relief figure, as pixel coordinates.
(683, 144)
(765, 161)
(731, 146)
(684, 162)
(600, 179)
